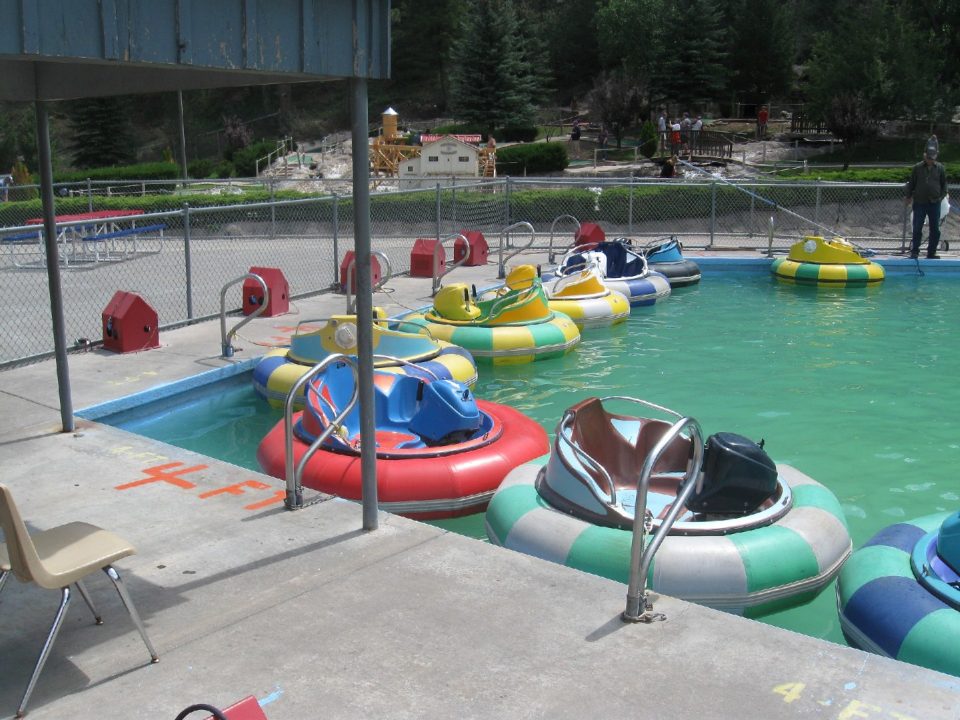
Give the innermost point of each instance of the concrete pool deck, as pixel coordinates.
(318, 618)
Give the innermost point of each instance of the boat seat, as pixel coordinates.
(55, 559)
(595, 432)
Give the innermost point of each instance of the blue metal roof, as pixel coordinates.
(58, 49)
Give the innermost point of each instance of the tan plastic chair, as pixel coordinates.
(55, 559)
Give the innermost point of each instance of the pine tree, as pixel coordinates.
(102, 133)
(692, 69)
(762, 51)
(492, 82)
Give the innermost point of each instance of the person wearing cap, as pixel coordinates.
(926, 189)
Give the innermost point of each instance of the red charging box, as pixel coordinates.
(479, 250)
(589, 233)
(422, 261)
(349, 264)
(129, 324)
(278, 301)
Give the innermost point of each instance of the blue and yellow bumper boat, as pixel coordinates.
(280, 368)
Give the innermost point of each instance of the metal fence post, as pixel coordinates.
(630, 206)
(507, 185)
(713, 210)
(89, 195)
(816, 212)
(453, 203)
(273, 211)
(187, 259)
(438, 212)
(753, 205)
(336, 230)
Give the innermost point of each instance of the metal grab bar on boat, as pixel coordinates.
(294, 474)
(639, 608)
(435, 285)
(501, 270)
(349, 284)
(550, 254)
(226, 339)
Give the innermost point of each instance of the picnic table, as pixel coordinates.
(89, 237)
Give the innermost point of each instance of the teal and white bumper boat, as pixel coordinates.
(753, 537)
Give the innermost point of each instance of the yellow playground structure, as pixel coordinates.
(390, 148)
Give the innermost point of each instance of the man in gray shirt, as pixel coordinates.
(926, 189)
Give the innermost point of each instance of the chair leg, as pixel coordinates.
(42, 660)
(135, 616)
(98, 619)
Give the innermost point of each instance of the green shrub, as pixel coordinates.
(648, 140)
(140, 171)
(532, 159)
(245, 159)
(224, 170)
(201, 168)
(541, 207)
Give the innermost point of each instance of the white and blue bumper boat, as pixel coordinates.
(621, 268)
(899, 594)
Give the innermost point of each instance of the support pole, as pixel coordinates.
(183, 139)
(53, 265)
(361, 244)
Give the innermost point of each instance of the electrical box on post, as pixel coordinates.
(349, 264)
(422, 261)
(479, 250)
(129, 324)
(589, 233)
(278, 300)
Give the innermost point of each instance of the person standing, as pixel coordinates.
(695, 134)
(662, 128)
(762, 117)
(926, 188)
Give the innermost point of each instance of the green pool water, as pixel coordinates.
(856, 388)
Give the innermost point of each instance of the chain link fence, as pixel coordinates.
(180, 259)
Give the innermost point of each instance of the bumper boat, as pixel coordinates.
(753, 537)
(280, 368)
(583, 297)
(621, 268)
(817, 261)
(666, 257)
(510, 327)
(440, 452)
(899, 594)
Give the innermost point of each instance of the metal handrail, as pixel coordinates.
(639, 608)
(501, 303)
(446, 270)
(226, 339)
(551, 256)
(383, 280)
(294, 474)
(501, 270)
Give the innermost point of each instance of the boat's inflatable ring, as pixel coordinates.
(806, 273)
(507, 344)
(884, 609)
(751, 573)
(608, 309)
(277, 372)
(427, 484)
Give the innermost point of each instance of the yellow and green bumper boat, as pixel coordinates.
(817, 261)
(511, 327)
